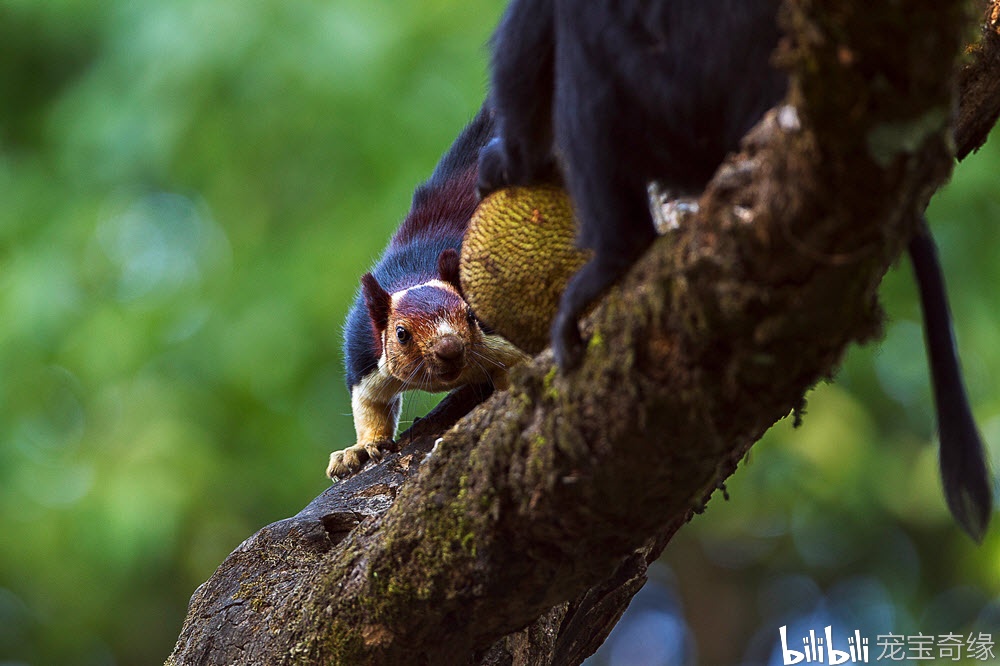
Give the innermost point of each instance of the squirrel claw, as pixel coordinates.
(350, 461)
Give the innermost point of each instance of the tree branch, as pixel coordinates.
(544, 506)
(979, 87)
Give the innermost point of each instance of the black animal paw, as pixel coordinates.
(493, 172)
(502, 165)
(567, 344)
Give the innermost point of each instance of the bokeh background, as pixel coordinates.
(188, 194)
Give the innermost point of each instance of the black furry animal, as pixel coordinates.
(611, 95)
(623, 92)
(410, 327)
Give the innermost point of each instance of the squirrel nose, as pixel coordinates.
(449, 348)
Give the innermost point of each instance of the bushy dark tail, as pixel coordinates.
(964, 473)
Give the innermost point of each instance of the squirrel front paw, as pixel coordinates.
(350, 461)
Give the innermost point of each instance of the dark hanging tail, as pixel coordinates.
(967, 484)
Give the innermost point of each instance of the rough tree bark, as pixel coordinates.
(531, 522)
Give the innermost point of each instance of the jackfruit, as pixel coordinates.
(517, 257)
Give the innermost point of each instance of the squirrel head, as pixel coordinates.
(426, 334)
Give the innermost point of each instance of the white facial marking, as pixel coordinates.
(396, 295)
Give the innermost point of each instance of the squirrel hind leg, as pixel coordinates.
(589, 283)
(616, 223)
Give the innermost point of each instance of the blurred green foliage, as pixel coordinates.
(188, 194)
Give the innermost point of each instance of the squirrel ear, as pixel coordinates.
(448, 262)
(378, 301)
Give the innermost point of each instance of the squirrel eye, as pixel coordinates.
(402, 335)
(471, 318)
